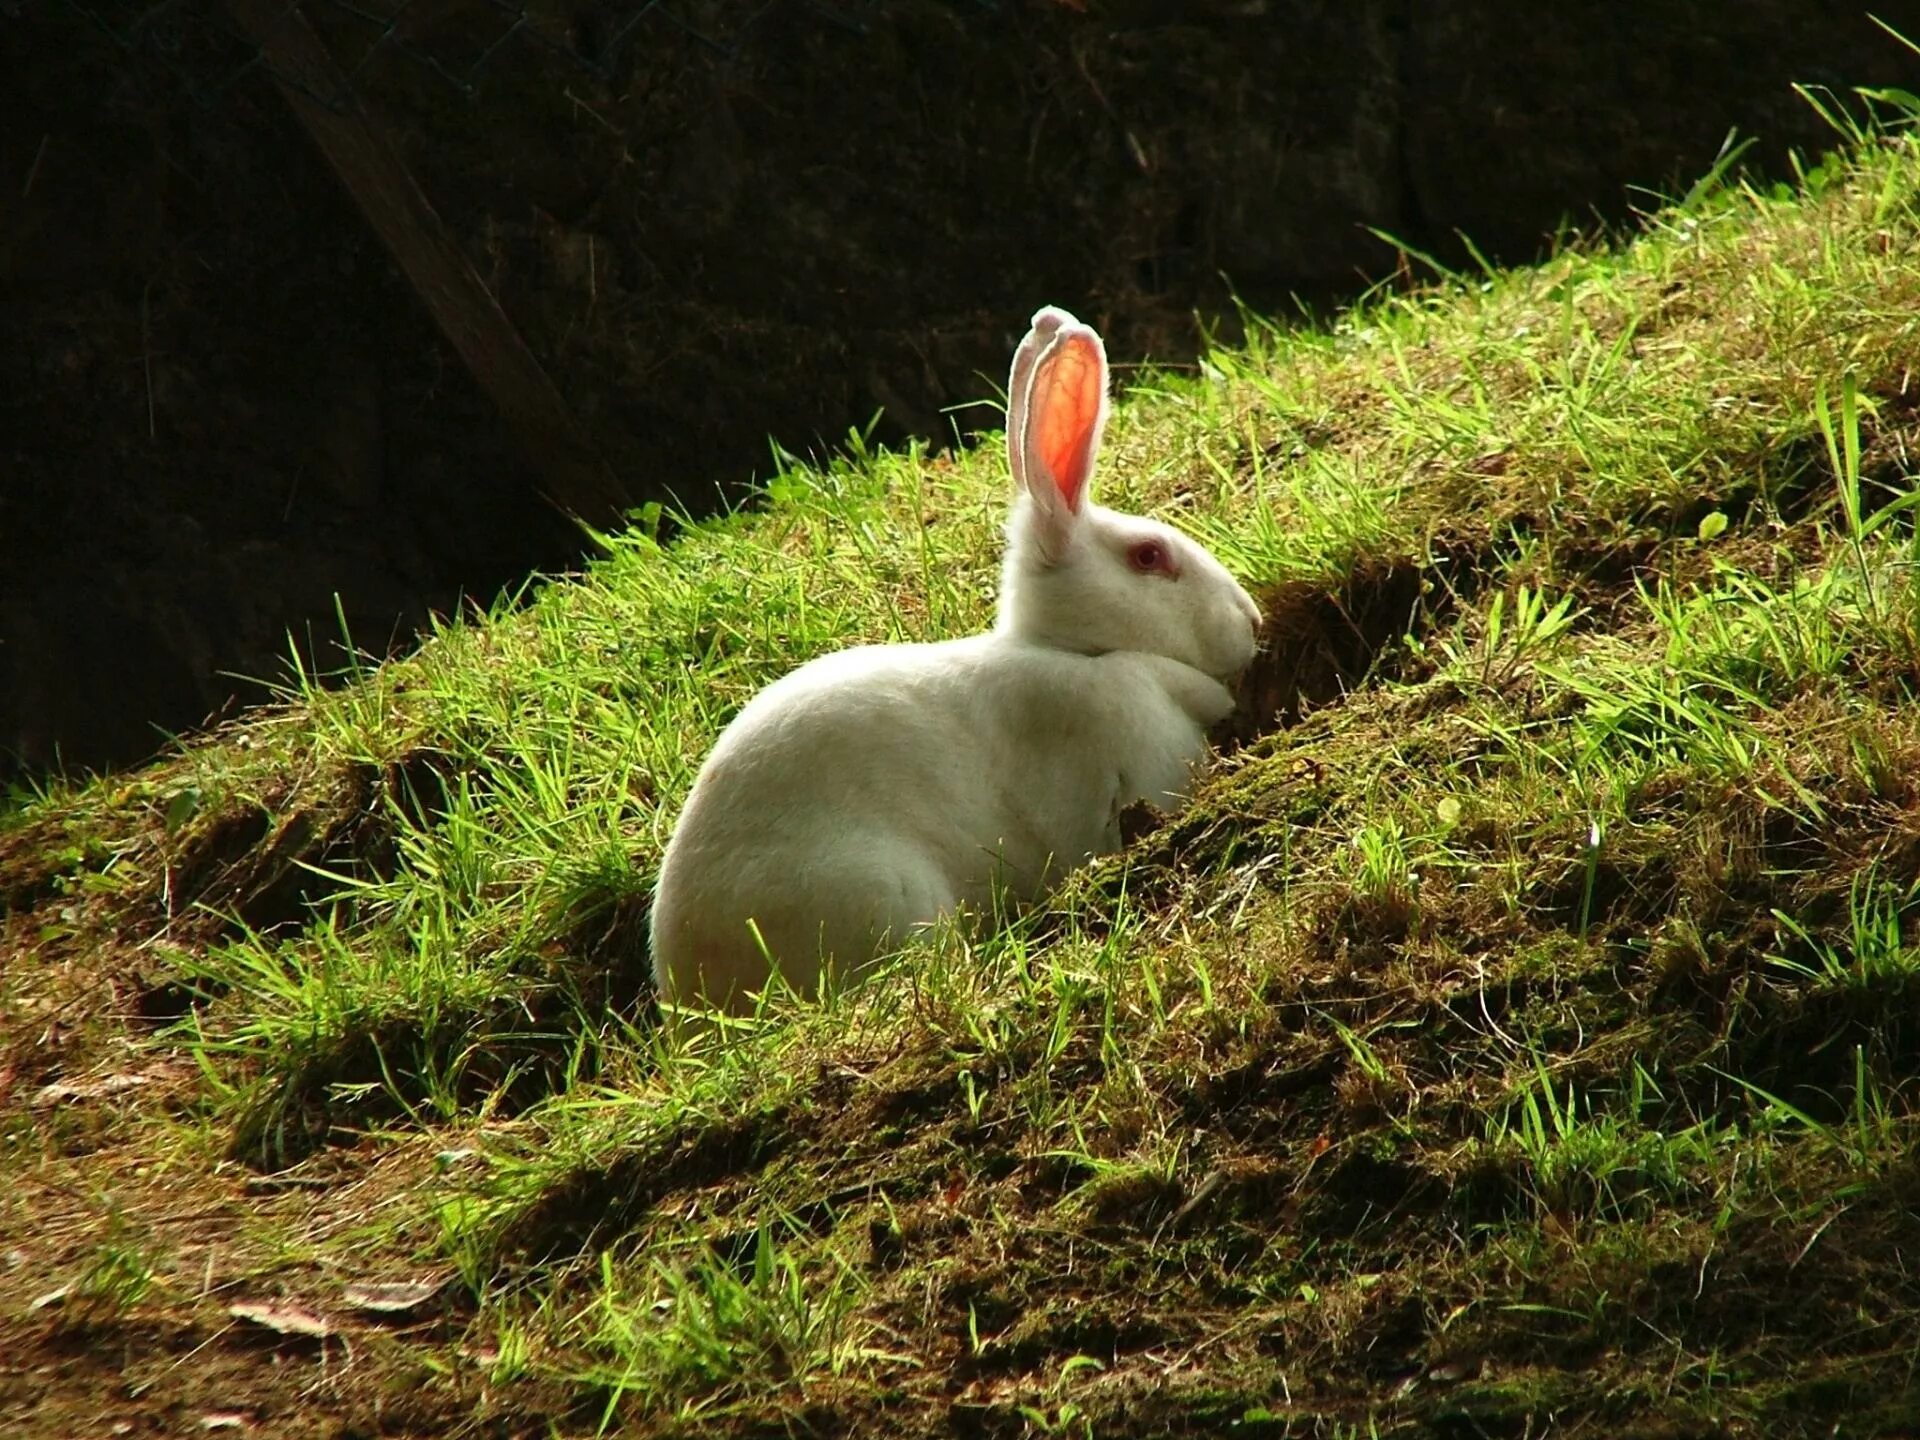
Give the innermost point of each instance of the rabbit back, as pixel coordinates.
(875, 789)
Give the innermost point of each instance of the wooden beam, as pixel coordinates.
(571, 473)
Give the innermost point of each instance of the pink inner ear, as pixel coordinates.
(1065, 410)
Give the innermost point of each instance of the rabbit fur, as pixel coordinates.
(875, 789)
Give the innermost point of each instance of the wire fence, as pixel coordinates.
(199, 44)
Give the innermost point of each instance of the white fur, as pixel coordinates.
(873, 790)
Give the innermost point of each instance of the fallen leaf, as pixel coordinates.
(393, 1297)
(223, 1420)
(61, 1091)
(275, 1183)
(1452, 1372)
(284, 1320)
(50, 1299)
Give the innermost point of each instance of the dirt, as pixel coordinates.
(1167, 1284)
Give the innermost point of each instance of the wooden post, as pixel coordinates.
(572, 475)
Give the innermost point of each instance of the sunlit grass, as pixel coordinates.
(1559, 943)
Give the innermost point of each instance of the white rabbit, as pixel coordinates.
(874, 789)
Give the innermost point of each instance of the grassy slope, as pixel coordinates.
(1517, 1035)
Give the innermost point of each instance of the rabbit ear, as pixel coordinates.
(1046, 321)
(1059, 435)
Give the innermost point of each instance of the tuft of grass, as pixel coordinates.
(707, 1332)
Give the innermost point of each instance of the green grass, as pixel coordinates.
(1517, 1032)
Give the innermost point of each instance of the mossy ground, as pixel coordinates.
(1516, 1037)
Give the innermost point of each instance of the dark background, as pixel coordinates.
(222, 403)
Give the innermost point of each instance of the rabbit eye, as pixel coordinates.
(1150, 557)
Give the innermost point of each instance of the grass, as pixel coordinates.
(1517, 1035)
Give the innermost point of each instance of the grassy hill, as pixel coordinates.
(1518, 1036)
